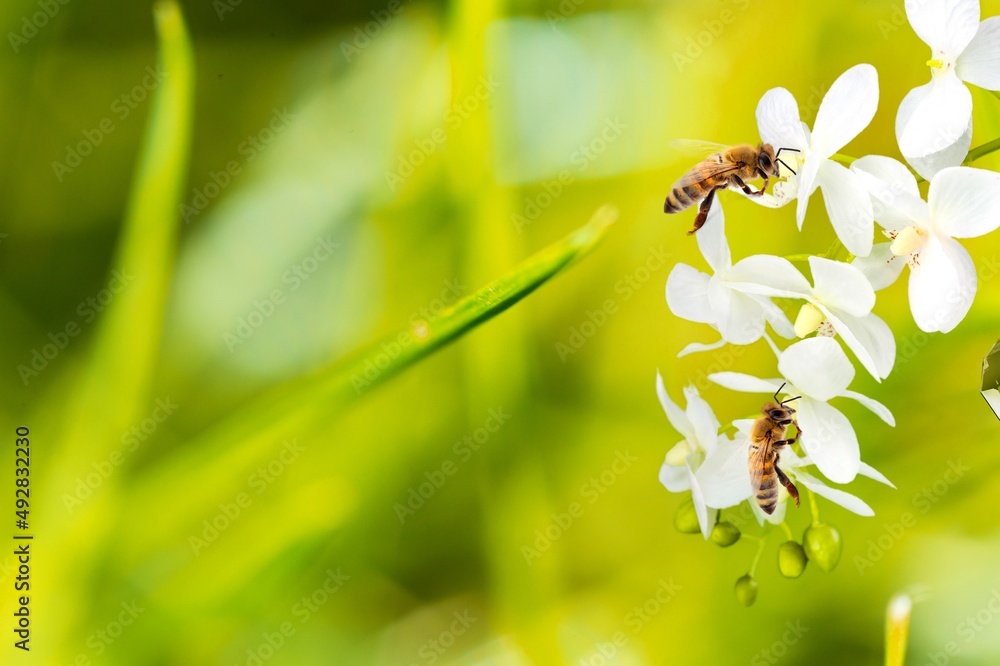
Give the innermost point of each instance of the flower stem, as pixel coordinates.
(982, 151)
(800, 258)
(813, 505)
(788, 531)
(760, 551)
(897, 629)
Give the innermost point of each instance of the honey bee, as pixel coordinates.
(767, 438)
(729, 167)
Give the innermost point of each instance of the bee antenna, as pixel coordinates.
(791, 150)
(782, 163)
(779, 391)
(789, 400)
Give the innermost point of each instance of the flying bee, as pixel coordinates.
(767, 438)
(729, 167)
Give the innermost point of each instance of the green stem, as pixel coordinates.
(897, 629)
(788, 531)
(798, 258)
(982, 151)
(760, 551)
(813, 505)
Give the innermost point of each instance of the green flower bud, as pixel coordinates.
(792, 559)
(746, 590)
(822, 545)
(686, 520)
(725, 534)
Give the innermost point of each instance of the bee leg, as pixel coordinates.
(746, 188)
(706, 205)
(787, 483)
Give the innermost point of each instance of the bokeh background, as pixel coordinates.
(378, 177)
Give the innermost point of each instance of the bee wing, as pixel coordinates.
(705, 170)
(759, 458)
(695, 148)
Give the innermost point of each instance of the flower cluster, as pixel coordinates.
(738, 299)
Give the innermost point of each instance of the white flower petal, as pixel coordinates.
(829, 439)
(896, 201)
(841, 286)
(678, 419)
(849, 206)
(816, 366)
(687, 294)
(872, 473)
(768, 200)
(965, 202)
(776, 317)
(724, 477)
(706, 517)
(696, 347)
(953, 155)
(740, 319)
(712, 239)
(875, 406)
(778, 120)
(881, 267)
(844, 499)
(979, 63)
(674, 477)
(847, 108)
(768, 275)
(947, 26)
(942, 284)
(737, 381)
(872, 336)
(939, 113)
(895, 177)
(702, 419)
(807, 183)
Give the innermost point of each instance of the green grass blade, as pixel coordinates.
(216, 463)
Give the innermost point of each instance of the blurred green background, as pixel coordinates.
(342, 185)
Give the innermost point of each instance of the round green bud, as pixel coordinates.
(792, 559)
(822, 545)
(725, 534)
(686, 519)
(746, 590)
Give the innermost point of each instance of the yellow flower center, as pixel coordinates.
(935, 63)
(808, 320)
(908, 242)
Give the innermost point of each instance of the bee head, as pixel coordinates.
(767, 160)
(780, 414)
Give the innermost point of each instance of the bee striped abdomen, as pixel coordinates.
(767, 491)
(683, 197)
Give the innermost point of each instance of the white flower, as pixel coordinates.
(700, 429)
(724, 477)
(846, 109)
(817, 370)
(695, 296)
(934, 121)
(962, 202)
(842, 297)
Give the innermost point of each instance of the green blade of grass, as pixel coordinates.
(215, 464)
